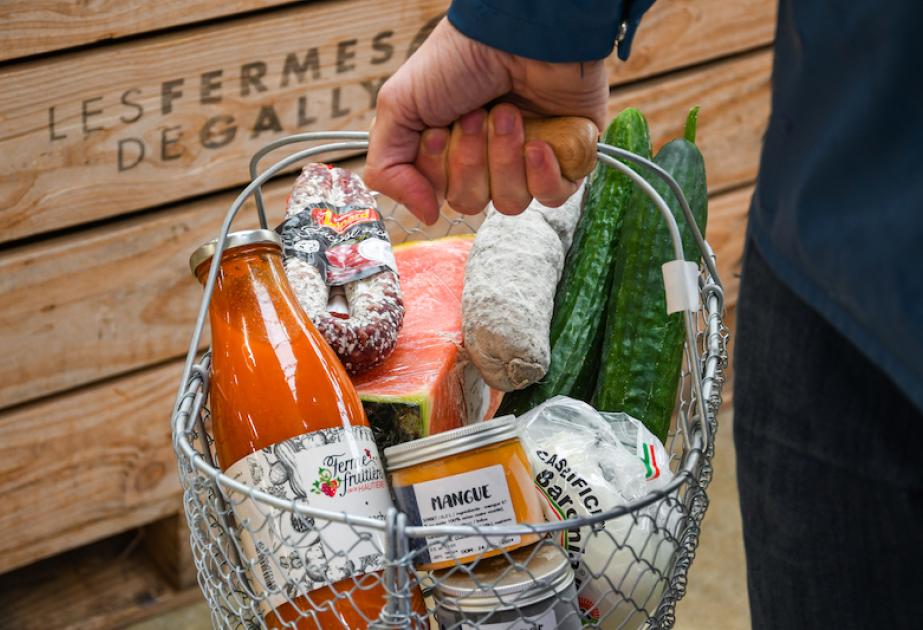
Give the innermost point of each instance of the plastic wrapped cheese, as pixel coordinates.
(586, 463)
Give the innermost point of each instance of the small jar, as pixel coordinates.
(475, 475)
(532, 589)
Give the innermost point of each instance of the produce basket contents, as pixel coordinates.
(643, 342)
(507, 302)
(506, 429)
(579, 317)
(333, 237)
(475, 475)
(319, 447)
(585, 463)
(427, 385)
(533, 587)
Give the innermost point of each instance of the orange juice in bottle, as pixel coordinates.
(287, 420)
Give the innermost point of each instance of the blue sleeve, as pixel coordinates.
(551, 30)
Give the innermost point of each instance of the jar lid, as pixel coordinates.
(528, 576)
(234, 239)
(451, 442)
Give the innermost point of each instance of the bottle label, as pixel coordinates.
(480, 497)
(289, 554)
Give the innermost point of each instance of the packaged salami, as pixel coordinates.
(339, 261)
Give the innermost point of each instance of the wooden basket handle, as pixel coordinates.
(573, 140)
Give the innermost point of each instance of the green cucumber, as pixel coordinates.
(643, 346)
(578, 320)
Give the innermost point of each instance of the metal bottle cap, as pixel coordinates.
(451, 442)
(234, 239)
(530, 575)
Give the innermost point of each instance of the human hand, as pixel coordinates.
(415, 159)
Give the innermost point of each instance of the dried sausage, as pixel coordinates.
(333, 235)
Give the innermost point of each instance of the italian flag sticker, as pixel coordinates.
(649, 458)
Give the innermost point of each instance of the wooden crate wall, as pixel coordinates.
(125, 131)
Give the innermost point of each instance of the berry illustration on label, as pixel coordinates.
(325, 483)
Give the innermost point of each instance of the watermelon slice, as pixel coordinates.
(426, 386)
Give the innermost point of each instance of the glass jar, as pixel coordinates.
(474, 475)
(530, 589)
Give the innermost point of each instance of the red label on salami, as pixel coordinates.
(339, 261)
(325, 217)
(333, 225)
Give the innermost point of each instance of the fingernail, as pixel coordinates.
(535, 156)
(472, 122)
(434, 142)
(504, 121)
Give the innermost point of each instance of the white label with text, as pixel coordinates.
(480, 497)
(332, 469)
(544, 621)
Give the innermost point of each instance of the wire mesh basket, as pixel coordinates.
(633, 578)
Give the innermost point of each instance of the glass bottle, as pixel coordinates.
(287, 420)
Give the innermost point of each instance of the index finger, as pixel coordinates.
(390, 169)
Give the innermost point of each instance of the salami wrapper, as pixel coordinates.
(333, 236)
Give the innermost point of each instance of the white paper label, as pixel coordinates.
(681, 286)
(378, 250)
(332, 469)
(544, 621)
(480, 497)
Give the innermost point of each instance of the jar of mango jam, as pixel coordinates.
(475, 475)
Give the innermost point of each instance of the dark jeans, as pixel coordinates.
(830, 469)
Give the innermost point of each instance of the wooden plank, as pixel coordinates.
(79, 467)
(106, 585)
(734, 96)
(726, 233)
(682, 33)
(93, 134)
(85, 298)
(167, 545)
(116, 298)
(696, 29)
(29, 27)
(96, 133)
